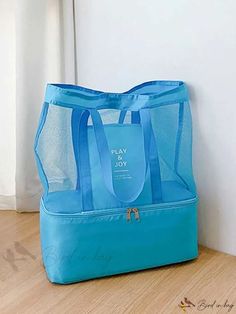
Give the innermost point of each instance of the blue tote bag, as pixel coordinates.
(116, 169)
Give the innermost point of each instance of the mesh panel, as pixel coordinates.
(56, 150)
(58, 142)
(172, 128)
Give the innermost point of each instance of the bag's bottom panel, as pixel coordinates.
(64, 281)
(70, 201)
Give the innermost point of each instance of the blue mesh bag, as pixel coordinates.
(116, 169)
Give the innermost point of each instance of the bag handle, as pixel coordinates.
(84, 164)
(155, 173)
(105, 157)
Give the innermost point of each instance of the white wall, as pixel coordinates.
(122, 43)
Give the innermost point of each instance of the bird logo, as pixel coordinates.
(186, 304)
(12, 259)
(22, 250)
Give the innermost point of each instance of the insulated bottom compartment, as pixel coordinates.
(81, 246)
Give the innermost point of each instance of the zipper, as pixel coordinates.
(132, 210)
(128, 214)
(136, 213)
(122, 210)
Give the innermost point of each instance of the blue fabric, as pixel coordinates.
(95, 166)
(105, 160)
(152, 155)
(85, 177)
(75, 118)
(72, 96)
(84, 246)
(41, 171)
(59, 202)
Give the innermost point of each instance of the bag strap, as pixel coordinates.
(155, 173)
(105, 158)
(84, 164)
(75, 117)
(135, 117)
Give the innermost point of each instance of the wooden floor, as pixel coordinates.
(206, 285)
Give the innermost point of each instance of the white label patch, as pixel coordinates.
(120, 164)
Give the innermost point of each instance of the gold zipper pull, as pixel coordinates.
(136, 213)
(128, 214)
(132, 210)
